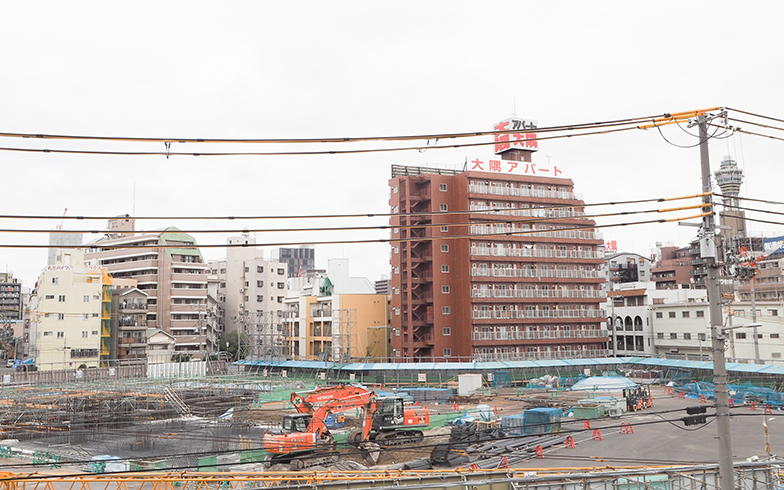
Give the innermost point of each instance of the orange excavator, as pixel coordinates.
(306, 441)
(387, 419)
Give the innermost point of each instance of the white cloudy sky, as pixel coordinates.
(316, 69)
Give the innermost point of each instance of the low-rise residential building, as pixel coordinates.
(67, 323)
(682, 329)
(160, 346)
(632, 320)
(770, 317)
(333, 316)
(673, 268)
(625, 267)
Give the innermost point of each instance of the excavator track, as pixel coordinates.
(398, 438)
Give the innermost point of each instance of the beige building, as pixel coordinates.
(167, 268)
(160, 346)
(66, 324)
(333, 316)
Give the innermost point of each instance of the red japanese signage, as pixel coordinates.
(611, 247)
(524, 140)
(510, 166)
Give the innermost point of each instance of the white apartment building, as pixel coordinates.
(250, 294)
(770, 314)
(635, 318)
(333, 316)
(66, 322)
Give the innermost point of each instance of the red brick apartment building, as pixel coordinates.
(469, 282)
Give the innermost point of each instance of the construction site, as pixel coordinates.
(539, 420)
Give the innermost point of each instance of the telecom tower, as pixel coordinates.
(729, 178)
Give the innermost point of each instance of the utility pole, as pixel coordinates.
(708, 252)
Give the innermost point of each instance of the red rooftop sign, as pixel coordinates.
(524, 140)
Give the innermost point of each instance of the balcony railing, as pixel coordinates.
(528, 213)
(538, 356)
(523, 314)
(528, 252)
(522, 192)
(504, 229)
(540, 335)
(536, 293)
(556, 273)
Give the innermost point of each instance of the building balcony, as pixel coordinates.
(524, 314)
(530, 252)
(546, 355)
(540, 335)
(534, 273)
(536, 293)
(522, 192)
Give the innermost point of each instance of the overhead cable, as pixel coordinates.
(352, 215)
(105, 246)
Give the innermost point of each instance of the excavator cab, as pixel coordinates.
(389, 414)
(297, 422)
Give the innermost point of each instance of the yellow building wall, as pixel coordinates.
(371, 328)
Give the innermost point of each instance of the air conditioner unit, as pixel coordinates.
(242, 305)
(242, 290)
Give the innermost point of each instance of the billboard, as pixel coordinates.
(524, 140)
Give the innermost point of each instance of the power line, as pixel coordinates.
(106, 246)
(494, 220)
(766, 201)
(468, 134)
(296, 153)
(352, 215)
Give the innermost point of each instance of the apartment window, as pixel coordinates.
(775, 355)
(397, 290)
(281, 272)
(773, 312)
(223, 284)
(48, 334)
(86, 316)
(247, 269)
(397, 250)
(685, 314)
(223, 271)
(95, 315)
(394, 190)
(60, 335)
(259, 269)
(444, 268)
(447, 352)
(740, 335)
(445, 289)
(281, 285)
(49, 296)
(700, 314)
(397, 270)
(61, 298)
(443, 207)
(686, 336)
(280, 299)
(84, 334)
(659, 314)
(442, 187)
(660, 335)
(259, 284)
(86, 298)
(61, 316)
(95, 332)
(672, 314)
(701, 337)
(673, 336)
(444, 229)
(55, 280)
(445, 248)
(774, 335)
(446, 331)
(259, 298)
(96, 296)
(445, 310)
(247, 284)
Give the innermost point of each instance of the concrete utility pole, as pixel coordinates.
(708, 252)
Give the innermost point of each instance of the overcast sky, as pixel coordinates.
(319, 69)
